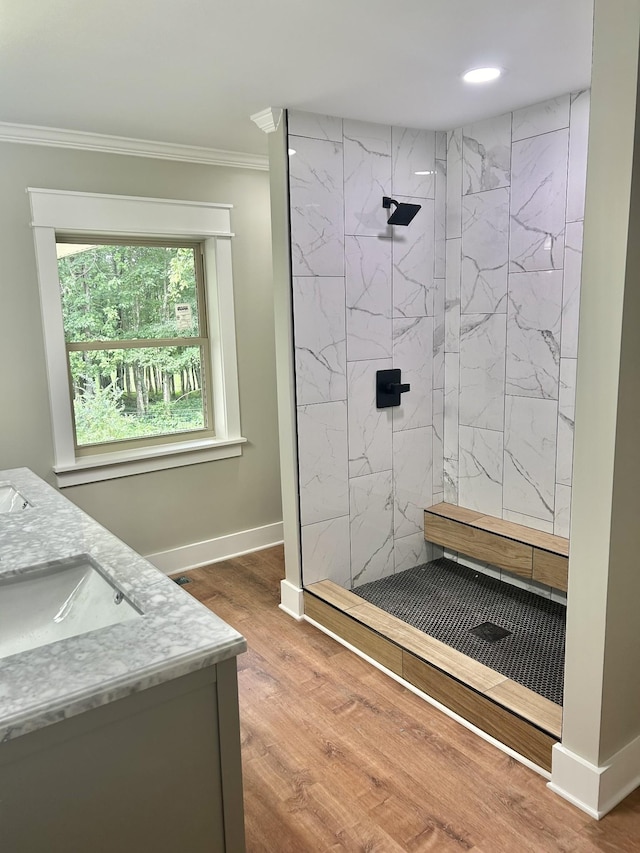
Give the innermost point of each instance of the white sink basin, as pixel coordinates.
(11, 500)
(58, 600)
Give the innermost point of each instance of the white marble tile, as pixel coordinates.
(479, 566)
(451, 404)
(413, 262)
(559, 596)
(450, 481)
(514, 580)
(441, 144)
(323, 461)
(486, 147)
(529, 456)
(320, 340)
(578, 144)
(411, 551)
(326, 552)
(368, 269)
(540, 118)
(412, 479)
(438, 437)
(480, 470)
(571, 290)
(316, 126)
(562, 519)
(539, 589)
(440, 219)
(567, 387)
(538, 201)
(452, 296)
(413, 151)
(482, 368)
(371, 518)
(533, 334)
(438, 332)
(454, 184)
(317, 209)
(413, 355)
(528, 520)
(485, 252)
(370, 429)
(566, 421)
(367, 177)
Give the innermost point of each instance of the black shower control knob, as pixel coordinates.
(398, 387)
(389, 387)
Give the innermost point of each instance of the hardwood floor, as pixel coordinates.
(337, 756)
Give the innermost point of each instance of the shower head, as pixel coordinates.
(404, 212)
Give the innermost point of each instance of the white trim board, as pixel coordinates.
(56, 137)
(213, 550)
(595, 790)
(292, 600)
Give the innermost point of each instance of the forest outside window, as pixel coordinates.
(139, 332)
(136, 339)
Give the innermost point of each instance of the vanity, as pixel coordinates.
(119, 727)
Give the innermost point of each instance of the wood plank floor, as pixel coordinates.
(337, 756)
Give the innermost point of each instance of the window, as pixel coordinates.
(137, 307)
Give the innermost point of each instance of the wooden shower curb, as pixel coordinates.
(504, 709)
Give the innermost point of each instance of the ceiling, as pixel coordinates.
(193, 71)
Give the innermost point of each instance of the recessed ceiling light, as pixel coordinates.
(481, 75)
(291, 151)
(431, 172)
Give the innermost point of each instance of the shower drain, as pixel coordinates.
(490, 632)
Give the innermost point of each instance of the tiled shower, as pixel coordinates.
(476, 301)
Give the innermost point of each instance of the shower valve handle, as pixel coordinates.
(389, 387)
(397, 387)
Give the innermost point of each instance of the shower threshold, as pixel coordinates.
(518, 717)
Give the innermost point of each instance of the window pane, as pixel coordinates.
(134, 393)
(127, 292)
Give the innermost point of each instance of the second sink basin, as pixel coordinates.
(58, 600)
(11, 500)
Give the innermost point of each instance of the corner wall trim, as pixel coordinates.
(595, 790)
(56, 137)
(213, 550)
(292, 600)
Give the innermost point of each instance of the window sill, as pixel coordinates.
(109, 466)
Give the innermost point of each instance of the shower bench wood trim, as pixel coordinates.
(512, 714)
(521, 550)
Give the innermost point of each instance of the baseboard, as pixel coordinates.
(595, 790)
(213, 550)
(291, 600)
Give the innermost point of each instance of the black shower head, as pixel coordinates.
(404, 212)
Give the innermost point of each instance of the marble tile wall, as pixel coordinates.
(476, 300)
(366, 297)
(515, 204)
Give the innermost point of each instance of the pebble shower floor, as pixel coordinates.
(446, 600)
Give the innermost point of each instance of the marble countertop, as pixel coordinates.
(175, 635)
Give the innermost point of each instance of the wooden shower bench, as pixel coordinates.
(529, 553)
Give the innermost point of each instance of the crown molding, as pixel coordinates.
(29, 134)
(267, 120)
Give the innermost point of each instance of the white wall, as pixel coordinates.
(165, 509)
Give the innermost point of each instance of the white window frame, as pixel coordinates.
(66, 212)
